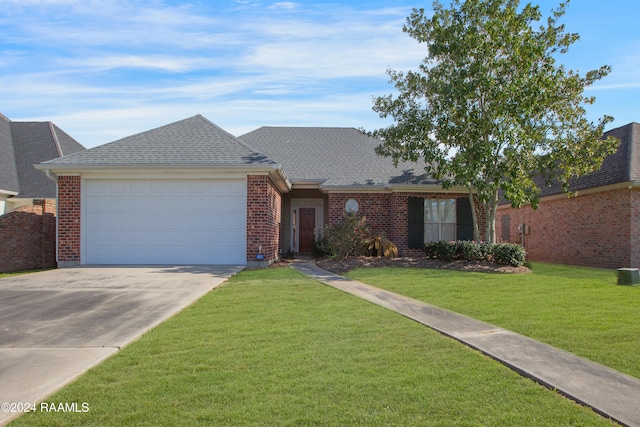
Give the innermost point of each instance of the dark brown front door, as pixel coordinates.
(307, 229)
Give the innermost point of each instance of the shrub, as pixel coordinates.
(501, 253)
(347, 237)
(509, 254)
(442, 250)
(473, 251)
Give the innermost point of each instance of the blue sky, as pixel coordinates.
(106, 69)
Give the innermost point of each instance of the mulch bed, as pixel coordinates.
(342, 266)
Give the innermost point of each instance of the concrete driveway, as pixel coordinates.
(54, 325)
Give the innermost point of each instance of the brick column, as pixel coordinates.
(68, 221)
(264, 217)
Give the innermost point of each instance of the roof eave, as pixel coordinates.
(427, 188)
(273, 170)
(8, 192)
(55, 168)
(307, 184)
(393, 188)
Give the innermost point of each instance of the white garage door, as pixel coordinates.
(164, 221)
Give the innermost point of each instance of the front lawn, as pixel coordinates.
(578, 309)
(273, 347)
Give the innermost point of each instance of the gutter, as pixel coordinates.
(52, 177)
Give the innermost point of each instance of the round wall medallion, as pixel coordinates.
(351, 206)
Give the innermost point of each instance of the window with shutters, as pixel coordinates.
(439, 219)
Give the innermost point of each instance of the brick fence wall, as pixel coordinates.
(27, 237)
(598, 230)
(264, 216)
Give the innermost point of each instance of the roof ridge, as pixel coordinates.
(12, 154)
(55, 138)
(235, 138)
(632, 149)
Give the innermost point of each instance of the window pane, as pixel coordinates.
(448, 211)
(448, 231)
(431, 232)
(430, 210)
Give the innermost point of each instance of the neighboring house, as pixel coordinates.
(600, 227)
(27, 196)
(191, 193)
(22, 144)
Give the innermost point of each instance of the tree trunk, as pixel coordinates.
(474, 215)
(491, 211)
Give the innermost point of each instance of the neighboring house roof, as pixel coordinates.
(22, 144)
(333, 157)
(620, 167)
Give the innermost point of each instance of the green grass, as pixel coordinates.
(19, 273)
(273, 347)
(578, 309)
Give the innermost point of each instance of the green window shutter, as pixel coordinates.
(464, 219)
(416, 223)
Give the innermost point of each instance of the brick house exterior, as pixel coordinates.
(264, 218)
(319, 162)
(388, 214)
(189, 192)
(69, 220)
(600, 227)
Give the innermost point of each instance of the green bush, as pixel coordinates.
(345, 238)
(473, 251)
(500, 253)
(508, 254)
(447, 251)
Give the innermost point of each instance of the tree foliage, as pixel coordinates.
(489, 107)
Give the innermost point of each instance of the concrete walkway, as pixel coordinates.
(608, 392)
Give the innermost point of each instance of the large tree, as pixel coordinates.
(489, 108)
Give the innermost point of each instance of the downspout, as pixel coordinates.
(53, 177)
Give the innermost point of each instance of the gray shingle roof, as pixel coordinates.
(621, 166)
(22, 144)
(336, 156)
(192, 141)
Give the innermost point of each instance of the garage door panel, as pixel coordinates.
(211, 205)
(161, 237)
(171, 256)
(164, 222)
(160, 221)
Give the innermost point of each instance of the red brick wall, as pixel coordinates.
(376, 207)
(387, 213)
(599, 230)
(27, 237)
(264, 215)
(69, 219)
(400, 216)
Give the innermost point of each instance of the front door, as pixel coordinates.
(307, 229)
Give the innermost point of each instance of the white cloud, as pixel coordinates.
(288, 5)
(174, 64)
